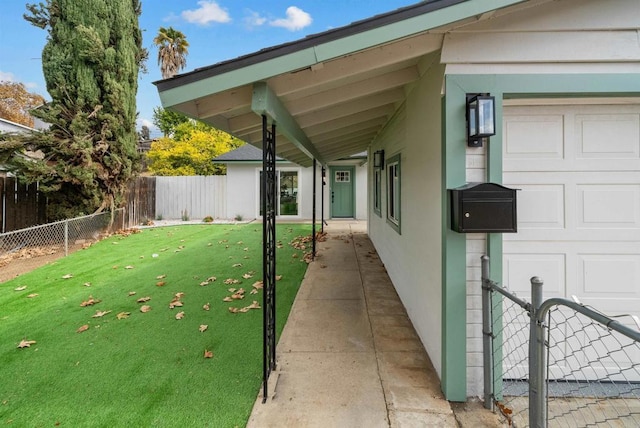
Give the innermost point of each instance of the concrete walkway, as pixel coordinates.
(349, 356)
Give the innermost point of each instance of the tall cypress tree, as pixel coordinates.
(90, 63)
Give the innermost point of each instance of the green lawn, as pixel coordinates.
(147, 369)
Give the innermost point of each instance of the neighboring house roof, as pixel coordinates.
(9, 126)
(244, 153)
(330, 94)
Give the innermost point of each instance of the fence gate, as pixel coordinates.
(268, 251)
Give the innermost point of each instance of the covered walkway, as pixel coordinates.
(349, 356)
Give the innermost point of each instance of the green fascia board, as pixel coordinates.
(266, 102)
(328, 50)
(507, 86)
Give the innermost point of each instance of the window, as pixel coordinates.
(377, 191)
(393, 192)
(287, 196)
(343, 177)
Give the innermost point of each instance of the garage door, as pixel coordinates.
(578, 168)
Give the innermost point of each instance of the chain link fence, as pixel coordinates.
(59, 236)
(557, 362)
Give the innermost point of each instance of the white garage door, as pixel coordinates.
(578, 168)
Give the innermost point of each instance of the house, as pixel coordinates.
(565, 75)
(9, 127)
(345, 192)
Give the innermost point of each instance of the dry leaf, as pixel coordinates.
(123, 315)
(132, 293)
(90, 302)
(237, 265)
(211, 279)
(258, 285)
(233, 310)
(247, 276)
(206, 307)
(179, 295)
(83, 328)
(24, 287)
(143, 299)
(278, 277)
(160, 283)
(175, 304)
(208, 354)
(32, 295)
(145, 308)
(232, 290)
(24, 343)
(254, 291)
(99, 314)
(246, 249)
(203, 283)
(128, 267)
(239, 242)
(180, 315)
(67, 276)
(161, 276)
(245, 309)
(87, 284)
(227, 299)
(203, 328)
(254, 305)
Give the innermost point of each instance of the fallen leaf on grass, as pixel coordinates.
(90, 302)
(230, 281)
(206, 307)
(160, 283)
(203, 328)
(128, 267)
(278, 277)
(87, 284)
(245, 309)
(179, 295)
(254, 305)
(143, 299)
(180, 315)
(237, 265)
(258, 285)
(67, 276)
(145, 308)
(24, 343)
(99, 314)
(161, 276)
(123, 315)
(254, 291)
(208, 354)
(24, 287)
(203, 283)
(247, 276)
(175, 304)
(132, 293)
(83, 328)
(32, 295)
(227, 299)
(232, 290)
(212, 279)
(233, 310)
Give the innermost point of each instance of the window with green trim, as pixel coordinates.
(393, 192)
(377, 191)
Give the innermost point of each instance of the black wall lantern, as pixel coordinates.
(378, 159)
(481, 118)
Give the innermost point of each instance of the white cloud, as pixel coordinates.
(254, 19)
(7, 77)
(208, 12)
(296, 19)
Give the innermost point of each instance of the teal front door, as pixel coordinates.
(342, 185)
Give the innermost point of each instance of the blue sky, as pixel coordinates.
(216, 31)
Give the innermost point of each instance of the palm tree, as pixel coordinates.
(172, 51)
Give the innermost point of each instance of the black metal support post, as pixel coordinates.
(324, 183)
(268, 252)
(313, 222)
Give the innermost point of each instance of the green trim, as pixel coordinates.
(328, 50)
(508, 86)
(266, 102)
(394, 160)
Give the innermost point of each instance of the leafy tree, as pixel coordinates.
(167, 120)
(190, 151)
(16, 102)
(172, 51)
(90, 63)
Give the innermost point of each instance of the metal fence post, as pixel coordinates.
(66, 238)
(537, 390)
(487, 334)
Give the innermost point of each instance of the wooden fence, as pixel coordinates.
(149, 198)
(21, 205)
(193, 197)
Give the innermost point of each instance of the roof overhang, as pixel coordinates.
(329, 94)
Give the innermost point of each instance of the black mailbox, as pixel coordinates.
(483, 208)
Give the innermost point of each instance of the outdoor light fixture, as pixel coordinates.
(481, 118)
(378, 159)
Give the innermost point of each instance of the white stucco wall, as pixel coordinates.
(414, 258)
